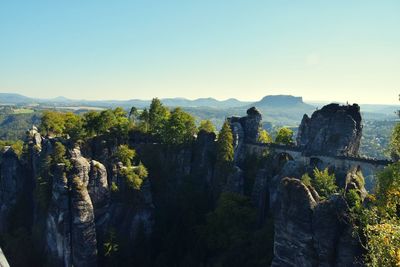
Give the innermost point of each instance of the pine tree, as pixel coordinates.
(225, 150)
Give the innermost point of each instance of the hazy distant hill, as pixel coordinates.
(277, 109)
(11, 98)
(283, 109)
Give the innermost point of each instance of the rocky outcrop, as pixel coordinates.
(309, 232)
(245, 130)
(235, 181)
(98, 190)
(202, 165)
(83, 235)
(293, 226)
(58, 221)
(3, 260)
(70, 225)
(333, 130)
(250, 124)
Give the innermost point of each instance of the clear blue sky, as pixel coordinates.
(342, 50)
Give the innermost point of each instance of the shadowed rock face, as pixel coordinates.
(293, 226)
(333, 130)
(245, 130)
(11, 184)
(309, 232)
(248, 126)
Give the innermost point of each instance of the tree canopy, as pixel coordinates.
(207, 126)
(264, 137)
(180, 128)
(158, 117)
(125, 154)
(225, 151)
(284, 136)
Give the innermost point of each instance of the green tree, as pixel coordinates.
(306, 179)
(158, 117)
(92, 121)
(144, 124)
(383, 244)
(264, 137)
(394, 146)
(121, 123)
(107, 120)
(229, 227)
(207, 126)
(284, 136)
(180, 128)
(52, 123)
(133, 114)
(18, 147)
(380, 218)
(59, 155)
(387, 189)
(225, 151)
(125, 155)
(324, 183)
(73, 126)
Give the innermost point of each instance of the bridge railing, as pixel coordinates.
(294, 148)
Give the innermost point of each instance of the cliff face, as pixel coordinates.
(11, 184)
(310, 231)
(333, 130)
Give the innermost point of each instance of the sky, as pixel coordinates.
(342, 50)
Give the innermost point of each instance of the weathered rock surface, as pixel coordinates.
(70, 227)
(309, 232)
(11, 185)
(98, 189)
(293, 226)
(333, 130)
(235, 181)
(58, 221)
(84, 242)
(250, 124)
(203, 156)
(3, 260)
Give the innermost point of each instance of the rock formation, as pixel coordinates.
(58, 221)
(11, 185)
(333, 130)
(245, 129)
(293, 226)
(312, 232)
(3, 260)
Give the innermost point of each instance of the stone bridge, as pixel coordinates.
(369, 167)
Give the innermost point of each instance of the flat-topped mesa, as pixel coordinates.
(333, 130)
(247, 126)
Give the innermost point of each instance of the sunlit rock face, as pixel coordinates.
(333, 130)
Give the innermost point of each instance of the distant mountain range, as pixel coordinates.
(12, 99)
(278, 109)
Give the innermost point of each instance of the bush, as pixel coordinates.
(324, 183)
(207, 126)
(284, 137)
(125, 155)
(264, 137)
